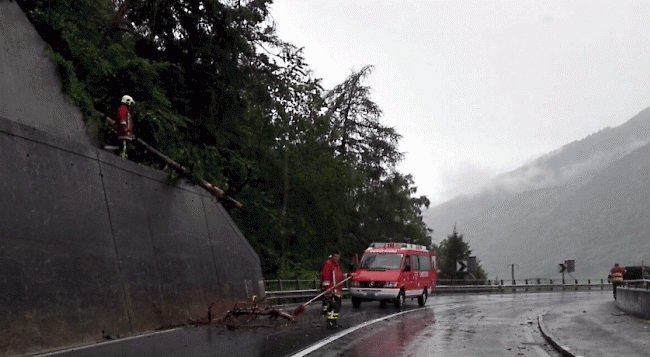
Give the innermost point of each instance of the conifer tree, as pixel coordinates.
(449, 252)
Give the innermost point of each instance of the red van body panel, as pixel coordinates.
(386, 269)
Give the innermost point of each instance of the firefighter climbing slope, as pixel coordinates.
(124, 124)
(330, 275)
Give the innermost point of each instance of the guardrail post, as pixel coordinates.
(297, 284)
(280, 284)
(550, 281)
(602, 285)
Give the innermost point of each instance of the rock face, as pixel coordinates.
(92, 245)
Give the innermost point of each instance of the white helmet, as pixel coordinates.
(128, 100)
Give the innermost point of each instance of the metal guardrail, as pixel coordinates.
(487, 289)
(302, 291)
(281, 297)
(291, 284)
(637, 284)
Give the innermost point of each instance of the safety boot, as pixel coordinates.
(331, 320)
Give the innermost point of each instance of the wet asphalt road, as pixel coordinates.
(478, 325)
(450, 325)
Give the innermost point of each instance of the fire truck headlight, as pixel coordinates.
(391, 284)
(355, 284)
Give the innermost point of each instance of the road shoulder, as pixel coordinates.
(595, 329)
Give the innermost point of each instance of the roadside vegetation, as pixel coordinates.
(217, 91)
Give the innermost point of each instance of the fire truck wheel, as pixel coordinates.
(356, 302)
(401, 299)
(422, 299)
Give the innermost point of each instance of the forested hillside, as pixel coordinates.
(217, 91)
(588, 201)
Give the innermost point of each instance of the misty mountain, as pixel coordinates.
(588, 201)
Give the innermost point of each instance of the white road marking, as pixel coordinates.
(348, 331)
(117, 340)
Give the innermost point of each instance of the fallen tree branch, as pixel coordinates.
(257, 312)
(251, 313)
(219, 193)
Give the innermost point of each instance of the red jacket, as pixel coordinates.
(617, 273)
(330, 275)
(124, 123)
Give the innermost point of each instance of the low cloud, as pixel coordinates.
(544, 173)
(467, 179)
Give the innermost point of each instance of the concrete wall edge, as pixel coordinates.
(634, 301)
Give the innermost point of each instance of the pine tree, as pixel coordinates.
(449, 252)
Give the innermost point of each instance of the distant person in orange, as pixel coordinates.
(616, 277)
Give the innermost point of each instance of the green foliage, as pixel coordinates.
(298, 271)
(74, 89)
(218, 92)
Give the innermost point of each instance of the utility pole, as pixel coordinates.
(562, 268)
(512, 267)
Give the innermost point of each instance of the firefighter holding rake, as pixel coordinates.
(331, 276)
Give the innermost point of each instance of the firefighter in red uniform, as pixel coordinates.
(330, 275)
(124, 123)
(616, 277)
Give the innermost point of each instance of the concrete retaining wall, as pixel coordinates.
(634, 301)
(90, 242)
(30, 87)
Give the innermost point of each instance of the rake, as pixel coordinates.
(300, 309)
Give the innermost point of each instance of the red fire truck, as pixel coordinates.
(394, 272)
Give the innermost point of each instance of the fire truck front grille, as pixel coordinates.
(372, 284)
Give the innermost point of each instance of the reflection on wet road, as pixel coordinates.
(478, 325)
(488, 325)
(390, 341)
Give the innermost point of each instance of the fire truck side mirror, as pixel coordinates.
(354, 262)
(407, 264)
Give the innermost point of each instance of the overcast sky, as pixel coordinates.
(478, 88)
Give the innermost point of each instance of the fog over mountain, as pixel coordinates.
(588, 201)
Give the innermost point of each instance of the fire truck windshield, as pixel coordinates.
(388, 261)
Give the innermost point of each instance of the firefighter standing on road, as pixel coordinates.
(616, 276)
(330, 275)
(124, 123)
